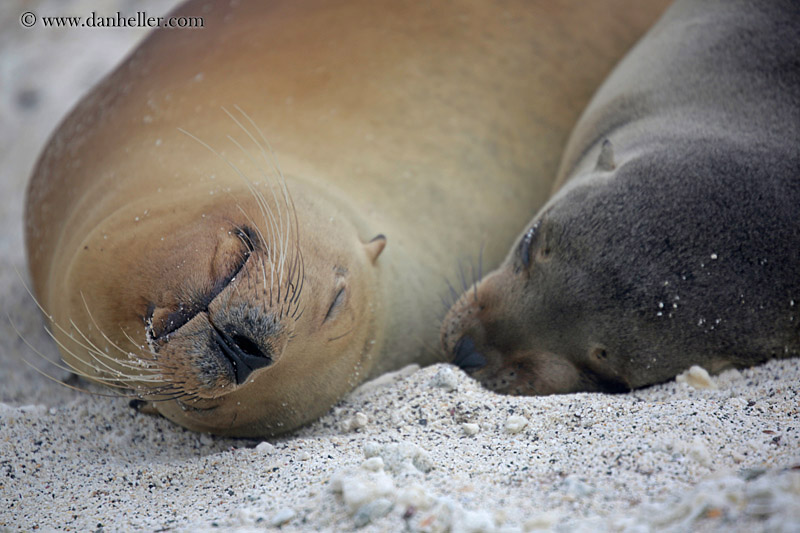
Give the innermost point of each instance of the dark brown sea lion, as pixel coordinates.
(174, 257)
(675, 237)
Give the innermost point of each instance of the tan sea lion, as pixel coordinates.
(174, 257)
(675, 238)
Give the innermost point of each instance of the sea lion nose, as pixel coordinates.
(243, 353)
(466, 356)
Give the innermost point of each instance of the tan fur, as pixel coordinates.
(438, 125)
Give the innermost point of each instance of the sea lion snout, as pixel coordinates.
(486, 334)
(219, 348)
(468, 336)
(217, 320)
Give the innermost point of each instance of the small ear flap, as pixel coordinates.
(605, 161)
(375, 247)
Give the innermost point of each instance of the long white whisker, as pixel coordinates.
(101, 357)
(265, 175)
(266, 212)
(260, 200)
(261, 238)
(289, 201)
(109, 381)
(71, 368)
(126, 364)
(282, 181)
(56, 364)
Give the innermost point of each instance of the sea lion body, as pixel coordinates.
(245, 290)
(674, 238)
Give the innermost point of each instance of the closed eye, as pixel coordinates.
(336, 305)
(525, 245)
(161, 322)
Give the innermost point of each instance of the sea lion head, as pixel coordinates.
(276, 337)
(631, 273)
(529, 328)
(246, 312)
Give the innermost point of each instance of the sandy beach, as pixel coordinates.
(419, 450)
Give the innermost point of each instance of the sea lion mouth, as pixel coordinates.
(467, 357)
(242, 353)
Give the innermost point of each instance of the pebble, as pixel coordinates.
(576, 487)
(385, 380)
(515, 424)
(265, 448)
(699, 452)
(400, 456)
(444, 378)
(473, 522)
(415, 496)
(363, 487)
(371, 511)
(358, 421)
(373, 464)
(696, 377)
(470, 429)
(542, 521)
(281, 517)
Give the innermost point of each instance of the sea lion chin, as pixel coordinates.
(672, 239)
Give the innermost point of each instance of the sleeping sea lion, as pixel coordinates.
(208, 228)
(674, 237)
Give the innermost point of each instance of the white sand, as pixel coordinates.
(425, 451)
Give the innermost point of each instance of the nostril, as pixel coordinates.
(244, 354)
(248, 346)
(467, 356)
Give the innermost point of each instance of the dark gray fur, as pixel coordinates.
(687, 251)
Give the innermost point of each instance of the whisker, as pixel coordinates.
(453, 292)
(260, 201)
(72, 368)
(259, 197)
(100, 357)
(427, 347)
(57, 365)
(474, 281)
(88, 350)
(142, 349)
(36, 351)
(461, 274)
(289, 201)
(261, 238)
(99, 329)
(284, 234)
(480, 262)
(99, 351)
